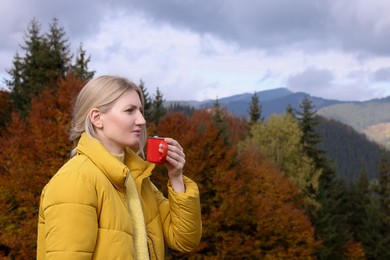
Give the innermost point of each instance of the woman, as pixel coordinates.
(101, 204)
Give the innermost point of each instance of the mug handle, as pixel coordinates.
(164, 152)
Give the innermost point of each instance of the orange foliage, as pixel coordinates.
(354, 250)
(207, 154)
(249, 209)
(260, 216)
(31, 151)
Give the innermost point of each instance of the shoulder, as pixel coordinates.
(75, 182)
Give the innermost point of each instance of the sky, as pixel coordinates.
(198, 50)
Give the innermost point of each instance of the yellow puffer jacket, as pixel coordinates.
(83, 212)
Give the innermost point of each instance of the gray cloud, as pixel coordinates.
(306, 24)
(303, 45)
(382, 74)
(250, 23)
(310, 78)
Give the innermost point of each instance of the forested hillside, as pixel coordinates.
(349, 151)
(267, 190)
(371, 118)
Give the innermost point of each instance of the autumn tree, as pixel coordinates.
(279, 139)
(31, 151)
(209, 154)
(260, 215)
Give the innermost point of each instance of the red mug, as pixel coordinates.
(153, 150)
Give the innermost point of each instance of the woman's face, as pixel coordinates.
(121, 125)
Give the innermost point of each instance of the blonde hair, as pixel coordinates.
(101, 93)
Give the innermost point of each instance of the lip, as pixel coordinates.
(138, 132)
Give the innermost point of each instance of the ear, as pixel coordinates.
(95, 117)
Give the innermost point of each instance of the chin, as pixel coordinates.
(133, 145)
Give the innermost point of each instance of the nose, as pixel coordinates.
(140, 120)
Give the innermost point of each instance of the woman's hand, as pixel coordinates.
(175, 162)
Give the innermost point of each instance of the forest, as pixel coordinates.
(268, 189)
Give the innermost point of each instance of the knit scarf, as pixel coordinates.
(137, 217)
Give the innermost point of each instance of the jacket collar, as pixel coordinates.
(112, 168)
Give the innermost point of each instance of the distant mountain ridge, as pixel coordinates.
(371, 117)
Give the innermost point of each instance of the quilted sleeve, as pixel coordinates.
(181, 217)
(67, 226)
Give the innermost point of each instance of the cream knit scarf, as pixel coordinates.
(137, 217)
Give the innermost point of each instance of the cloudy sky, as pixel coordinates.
(197, 50)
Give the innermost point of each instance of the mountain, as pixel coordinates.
(274, 101)
(371, 118)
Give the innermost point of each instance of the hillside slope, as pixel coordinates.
(371, 118)
(348, 150)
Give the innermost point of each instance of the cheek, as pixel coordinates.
(116, 122)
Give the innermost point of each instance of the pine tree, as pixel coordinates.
(255, 110)
(26, 73)
(219, 118)
(59, 50)
(382, 190)
(310, 139)
(290, 110)
(178, 107)
(80, 68)
(331, 220)
(148, 105)
(366, 219)
(158, 109)
(45, 62)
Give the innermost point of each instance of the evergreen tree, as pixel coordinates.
(27, 73)
(382, 190)
(290, 110)
(331, 220)
(177, 107)
(158, 109)
(310, 139)
(366, 219)
(358, 201)
(219, 118)
(45, 62)
(148, 105)
(255, 110)
(80, 68)
(59, 52)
